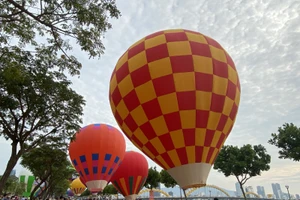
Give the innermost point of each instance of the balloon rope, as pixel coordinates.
(184, 194)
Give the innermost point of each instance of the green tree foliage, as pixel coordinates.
(288, 141)
(244, 163)
(109, 190)
(53, 24)
(51, 167)
(153, 178)
(167, 179)
(13, 186)
(37, 104)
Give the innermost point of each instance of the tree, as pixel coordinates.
(14, 186)
(37, 104)
(54, 23)
(109, 190)
(153, 178)
(288, 141)
(243, 163)
(51, 168)
(167, 179)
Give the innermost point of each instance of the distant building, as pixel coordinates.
(297, 196)
(170, 193)
(277, 190)
(238, 190)
(157, 194)
(261, 191)
(13, 173)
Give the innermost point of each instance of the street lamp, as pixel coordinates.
(287, 188)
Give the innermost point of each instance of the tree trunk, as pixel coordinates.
(14, 157)
(241, 186)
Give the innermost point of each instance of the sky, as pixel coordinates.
(263, 39)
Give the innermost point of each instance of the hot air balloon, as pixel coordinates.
(130, 177)
(175, 94)
(28, 180)
(96, 153)
(77, 187)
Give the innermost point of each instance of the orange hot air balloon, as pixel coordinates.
(77, 187)
(175, 94)
(131, 175)
(96, 153)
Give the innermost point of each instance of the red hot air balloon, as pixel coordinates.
(131, 175)
(96, 153)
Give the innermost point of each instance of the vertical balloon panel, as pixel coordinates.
(175, 94)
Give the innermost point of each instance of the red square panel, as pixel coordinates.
(152, 109)
(209, 155)
(222, 122)
(118, 117)
(129, 121)
(173, 121)
(221, 139)
(189, 137)
(136, 49)
(167, 142)
(217, 102)
(201, 118)
(137, 141)
(116, 96)
(164, 85)
(173, 37)
(140, 76)
(199, 153)
(181, 152)
(209, 137)
(148, 130)
(131, 100)
(230, 61)
(231, 90)
(167, 159)
(186, 100)
(204, 82)
(151, 148)
(122, 72)
(212, 42)
(200, 49)
(182, 63)
(157, 52)
(220, 68)
(194, 32)
(233, 112)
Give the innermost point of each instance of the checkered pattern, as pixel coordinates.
(175, 94)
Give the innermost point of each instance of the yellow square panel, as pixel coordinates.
(137, 43)
(204, 154)
(179, 48)
(214, 154)
(143, 95)
(113, 84)
(158, 145)
(159, 68)
(200, 137)
(188, 118)
(191, 155)
(122, 60)
(173, 31)
(232, 75)
(237, 97)
(216, 138)
(139, 116)
(125, 129)
(227, 106)
(203, 100)
(196, 38)
(122, 109)
(140, 136)
(203, 64)
(126, 86)
(213, 120)
(137, 61)
(155, 41)
(184, 81)
(177, 138)
(146, 150)
(220, 85)
(218, 54)
(159, 125)
(168, 103)
(174, 157)
(228, 125)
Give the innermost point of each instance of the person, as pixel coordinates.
(216, 198)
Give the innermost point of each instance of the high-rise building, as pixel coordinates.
(261, 191)
(13, 172)
(277, 190)
(297, 196)
(157, 194)
(238, 190)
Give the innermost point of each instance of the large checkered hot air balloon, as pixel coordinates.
(96, 153)
(131, 176)
(175, 94)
